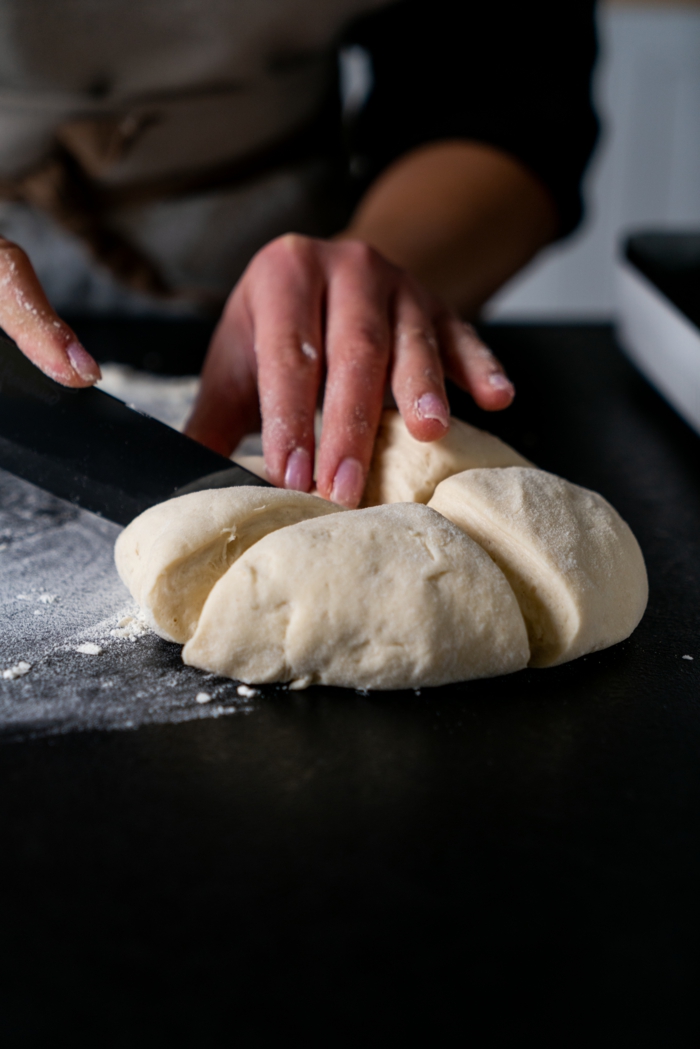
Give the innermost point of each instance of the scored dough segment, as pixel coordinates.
(171, 556)
(573, 563)
(404, 470)
(385, 598)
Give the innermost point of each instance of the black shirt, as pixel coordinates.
(513, 74)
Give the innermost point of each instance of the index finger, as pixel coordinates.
(358, 345)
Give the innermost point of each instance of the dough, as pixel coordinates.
(383, 598)
(172, 554)
(575, 567)
(404, 470)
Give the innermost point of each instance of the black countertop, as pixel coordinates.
(520, 854)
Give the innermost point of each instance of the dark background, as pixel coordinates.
(517, 857)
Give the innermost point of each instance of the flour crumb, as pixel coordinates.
(18, 670)
(130, 627)
(48, 599)
(245, 690)
(686, 657)
(299, 684)
(202, 697)
(89, 649)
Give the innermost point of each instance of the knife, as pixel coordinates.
(93, 450)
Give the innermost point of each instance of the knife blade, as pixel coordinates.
(93, 450)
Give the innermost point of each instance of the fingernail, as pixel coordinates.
(82, 362)
(499, 381)
(348, 483)
(430, 406)
(298, 472)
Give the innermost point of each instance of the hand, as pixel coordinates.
(28, 318)
(306, 308)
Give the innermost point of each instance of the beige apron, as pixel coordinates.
(149, 147)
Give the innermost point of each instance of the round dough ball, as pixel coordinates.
(404, 470)
(574, 564)
(171, 555)
(384, 598)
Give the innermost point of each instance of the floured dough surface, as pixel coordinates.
(506, 565)
(383, 598)
(573, 563)
(404, 470)
(172, 554)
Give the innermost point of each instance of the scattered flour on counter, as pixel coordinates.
(299, 685)
(88, 648)
(686, 657)
(245, 690)
(202, 697)
(170, 399)
(18, 670)
(167, 398)
(42, 598)
(130, 627)
(60, 563)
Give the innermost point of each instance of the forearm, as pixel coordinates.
(460, 216)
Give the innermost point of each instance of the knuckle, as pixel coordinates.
(293, 248)
(292, 259)
(419, 337)
(290, 353)
(354, 424)
(367, 342)
(363, 256)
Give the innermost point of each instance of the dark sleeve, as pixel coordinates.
(511, 73)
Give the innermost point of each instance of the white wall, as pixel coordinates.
(646, 171)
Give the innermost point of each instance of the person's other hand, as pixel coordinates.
(306, 308)
(28, 318)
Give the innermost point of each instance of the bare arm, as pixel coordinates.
(462, 217)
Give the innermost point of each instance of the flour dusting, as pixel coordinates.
(88, 648)
(18, 670)
(75, 652)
